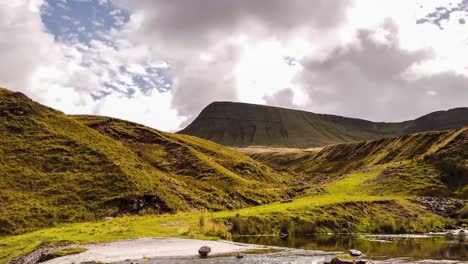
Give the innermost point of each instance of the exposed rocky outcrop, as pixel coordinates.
(441, 206)
(139, 204)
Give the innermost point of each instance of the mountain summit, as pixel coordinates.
(241, 125)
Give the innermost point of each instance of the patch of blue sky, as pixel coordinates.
(159, 77)
(82, 20)
(291, 61)
(147, 79)
(444, 13)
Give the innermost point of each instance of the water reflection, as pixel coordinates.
(375, 247)
(318, 249)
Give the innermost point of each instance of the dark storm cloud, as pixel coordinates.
(181, 30)
(199, 22)
(366, 80)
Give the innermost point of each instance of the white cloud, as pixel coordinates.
(64, 75)
(153, 110)
(261, 71)
(23, 44)
(115, 12)
(234, 50)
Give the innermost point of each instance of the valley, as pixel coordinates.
(84, 179)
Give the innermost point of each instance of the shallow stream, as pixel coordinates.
(448, 247)
(317, 249)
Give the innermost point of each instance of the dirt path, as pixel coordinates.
(149, 248)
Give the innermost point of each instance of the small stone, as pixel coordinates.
(239, 255)
(341, 261)
(355, 253)
(338, 260)
(204, 251)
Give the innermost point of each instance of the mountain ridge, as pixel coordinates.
(242, 124)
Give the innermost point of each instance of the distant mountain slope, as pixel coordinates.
(427, 163)
(240, 125)
(55, 169)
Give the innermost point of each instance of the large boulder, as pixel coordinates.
(204, 251)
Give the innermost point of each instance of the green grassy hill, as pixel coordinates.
(241, 125)
(55, 168)
(59, 170)
(428, 163)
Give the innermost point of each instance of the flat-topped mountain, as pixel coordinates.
(241, 124)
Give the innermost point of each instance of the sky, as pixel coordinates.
(159, 62)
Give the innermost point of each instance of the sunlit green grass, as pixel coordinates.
(56, 169)
(188, 224)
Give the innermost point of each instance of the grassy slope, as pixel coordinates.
(342, 207)
(431, 163)
(241, 125)
(44, 172)
(280, 158)
(231, 177)
(55, 169)
(350, 202)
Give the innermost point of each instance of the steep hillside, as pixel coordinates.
(428, 163)
(226, 174)
(55, 169)
(241, 125)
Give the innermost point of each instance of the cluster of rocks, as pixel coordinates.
(440, 206)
